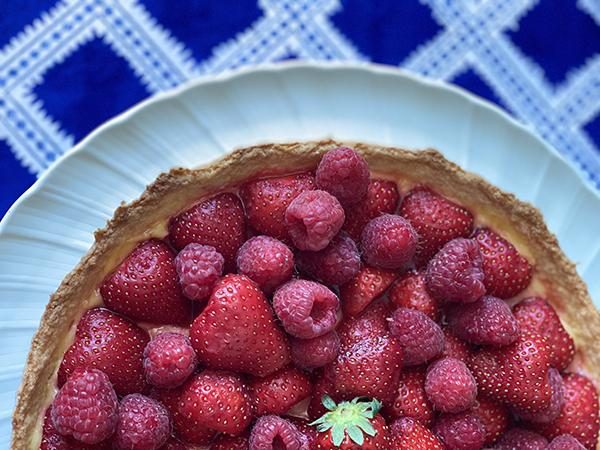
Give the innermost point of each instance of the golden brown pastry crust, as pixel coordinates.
(555, 275)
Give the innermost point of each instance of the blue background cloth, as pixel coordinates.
(67, 66)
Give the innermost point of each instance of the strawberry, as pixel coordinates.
(579, 413)
(351, 425)
(409, 291)
(365, 287)
(266, 202)
(494, 417)
(436, 220)
(411, 400)
(184, 426)
(455, 347)
(108, 342)
(534, 314)
(218, 221)
(217, 400)
(515, 374)
(310, 433)
(224, 442)
(370, 358)
(322, 385)
(144, 287)
(507, 273)
(278, 392)
(407, 433)
(237, 330)
(382, 198)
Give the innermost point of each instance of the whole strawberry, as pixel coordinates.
(494, 416)
(217, 400)
(278, 392)
(106, 341)
(411, 399)
(507, 272)
(351, 425)
(218, 221)
(536, 315)
(145, 286)
(515, 374)
(224, 442)
(237, 330)
(366, 286)
(409, 434)
(266, 202)
(370, 358)
(579, 413)
(436, 220)
(410, 291)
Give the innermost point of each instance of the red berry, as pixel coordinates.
(267, 200)
(144, 287)
(51, 439)
(536, 315)
(312, 219)
(169, 359)
(382, 198)
(273, 432)
(410, 292)
(455, 273)
(217, 221)
(420, 337)
(411, 400)
(322, 385)
(388, 242)
(436, 219)
(237, 330)
(278, 392)
(565, 442)
(579, 414)
(308, 432)
(450, 386)
(143, 423)
(368, 284)
(507, 273)
(336, 264)
(515, 374)
(370, 358)
(488, 321)
(518, 438)
(556, 401)
(175, 444)
(345, 174)
(198, 267)
(494, 417)
(266, 261)
(409, 434)
(217, 400)
(224, 442)
(86, 407)
(306, 309)
(108, 342)
(315, 352)
(455, 347)
(462, 431)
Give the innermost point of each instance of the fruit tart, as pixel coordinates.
(317, 295)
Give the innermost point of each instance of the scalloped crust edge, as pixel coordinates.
(172, 192)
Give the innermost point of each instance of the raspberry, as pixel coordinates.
(450, 386)
(345, 174)
(410, 292)
(522, 440)
(463, 431)
(420, 337)
(315, 352)
(389, 242)
(143, 423)
(565, 442)
(267, 261)
(86, 407)
(336, 264)
(199, 267)
(553, 410)
(169, 359)
(487, 321)
(306, 309)
(455, 273)
(273, 432)
(313, 219)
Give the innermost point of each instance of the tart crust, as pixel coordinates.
(555, 276)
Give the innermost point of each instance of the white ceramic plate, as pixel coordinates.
(50, 227)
